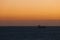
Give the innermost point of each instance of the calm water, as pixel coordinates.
(29, 33)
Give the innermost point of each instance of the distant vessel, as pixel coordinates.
(41, 26)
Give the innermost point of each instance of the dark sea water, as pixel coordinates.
(29, 33)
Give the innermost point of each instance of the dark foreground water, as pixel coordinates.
(29, 33)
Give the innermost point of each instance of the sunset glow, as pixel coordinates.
(29, 9)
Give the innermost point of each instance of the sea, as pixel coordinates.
(29, 33)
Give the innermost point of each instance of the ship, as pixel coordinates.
(39, 26)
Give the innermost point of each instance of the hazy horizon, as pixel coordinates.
(30, 23)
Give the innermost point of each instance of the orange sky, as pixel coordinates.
(29, 9)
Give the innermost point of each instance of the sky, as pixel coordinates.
(31, 10)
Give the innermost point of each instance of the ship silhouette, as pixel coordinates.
(39, 26)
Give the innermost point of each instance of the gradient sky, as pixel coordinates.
(30, 10)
